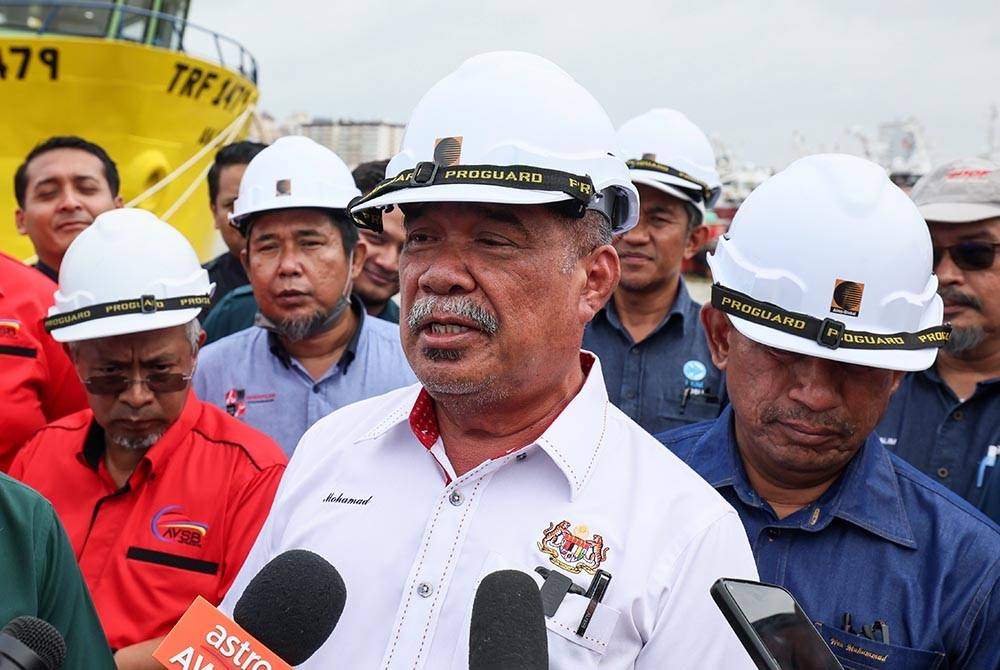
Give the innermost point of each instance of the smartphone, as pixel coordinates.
(772, 627)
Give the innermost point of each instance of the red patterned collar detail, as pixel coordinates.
(423, 421)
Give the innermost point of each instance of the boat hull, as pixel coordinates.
(151, 109)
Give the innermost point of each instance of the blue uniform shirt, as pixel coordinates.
(251, 376)
(943, 437)
(665, 381)
(883, 543)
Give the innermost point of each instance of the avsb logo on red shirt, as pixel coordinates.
(170, 524)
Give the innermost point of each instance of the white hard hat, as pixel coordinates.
(128, 272)
(665, 151)
(828, 258)
(293, 172)
(513, 128)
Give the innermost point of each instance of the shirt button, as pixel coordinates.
(773, 533)
(316, 388)
(942, 472)
(629, 394)
(634, 352)
(957, 415)
(456, 498)
(424, 589)
(520, 457)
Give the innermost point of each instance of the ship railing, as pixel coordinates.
(112, 20)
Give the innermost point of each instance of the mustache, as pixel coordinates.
(421, 311)
(954, 295)
(838, 425)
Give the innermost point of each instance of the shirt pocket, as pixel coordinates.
(859, 653)
(567, 650)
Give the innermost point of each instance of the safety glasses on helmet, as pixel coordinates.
(969, 255)
(158, 382)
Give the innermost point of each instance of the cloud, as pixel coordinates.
(752, 73)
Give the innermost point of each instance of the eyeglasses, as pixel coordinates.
(969, 255)
(158, 382)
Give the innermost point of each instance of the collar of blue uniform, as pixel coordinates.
(829, 333)
(866, 494)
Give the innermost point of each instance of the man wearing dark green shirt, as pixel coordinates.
(39, 576)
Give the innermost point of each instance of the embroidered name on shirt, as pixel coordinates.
(339, 498)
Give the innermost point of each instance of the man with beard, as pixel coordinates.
(313, 349)
(161, 494)
(814, 331)
(62, 185)
(656, 361)
(507, 455)
(946, 420)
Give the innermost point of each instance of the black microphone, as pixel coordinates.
(28, 643)
(293, 604)
(508, 624)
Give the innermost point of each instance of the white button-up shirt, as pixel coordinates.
(370, 488)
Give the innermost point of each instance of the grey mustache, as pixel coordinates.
(421, 310)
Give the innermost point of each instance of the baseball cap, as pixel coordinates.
(962, 190)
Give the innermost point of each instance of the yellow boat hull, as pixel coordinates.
(153, 110)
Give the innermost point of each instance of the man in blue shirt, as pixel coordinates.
(313, 348)
(814, 332)
(655, 359)
(946, 420)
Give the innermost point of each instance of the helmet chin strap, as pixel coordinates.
(323, 325)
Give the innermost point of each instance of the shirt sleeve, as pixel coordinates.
(250, 509)
(690, 630)
(23, 458)
(980, 642)
(63, 599)
(64, 392)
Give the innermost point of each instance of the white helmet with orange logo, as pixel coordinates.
(665, 151)
(128, 272)
(508, 127)
(293, 172)
(828, 258)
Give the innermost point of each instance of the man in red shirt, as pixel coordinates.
(162, 495)
(37, 381)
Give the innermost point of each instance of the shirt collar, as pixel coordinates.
(682, 307)
(390, 312)
(92, 450)
(866, 494)
(350, 351)
(573, 440)
(48, 271)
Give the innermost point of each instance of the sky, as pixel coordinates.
(773, 80)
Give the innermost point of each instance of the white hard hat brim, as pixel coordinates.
(641, 177)
(899, 360)
(958, 212)
(276, 206)
(466, 193)
(664, 182)
(125, 324)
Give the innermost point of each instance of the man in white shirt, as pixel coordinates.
(508, 454)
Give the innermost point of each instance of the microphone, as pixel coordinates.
(287, 611)
(508, 624)
(29, 643)
(293, 604)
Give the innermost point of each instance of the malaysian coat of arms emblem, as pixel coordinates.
(570, 550)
